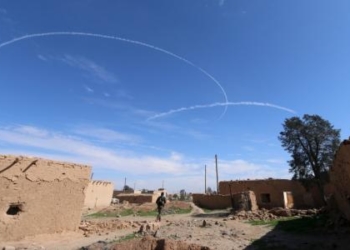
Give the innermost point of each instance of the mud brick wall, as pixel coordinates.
(40, 196)
(340, 178)
(98, 194)
(245, 201)
(137, 198)
(274, 189)
(241, 201)
(118, 192)
(212, 201)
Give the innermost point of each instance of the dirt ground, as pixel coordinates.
(196, 230)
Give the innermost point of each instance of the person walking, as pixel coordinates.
(161, 200)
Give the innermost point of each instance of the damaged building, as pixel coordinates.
(266, 193)
(40, 196)
(271, 192)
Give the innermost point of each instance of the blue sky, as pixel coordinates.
(153, 108)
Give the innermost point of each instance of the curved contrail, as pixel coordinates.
(68, 33)
(217, 104)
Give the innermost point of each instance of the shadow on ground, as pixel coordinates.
(212, 215)
(309, 233)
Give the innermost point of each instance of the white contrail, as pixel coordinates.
(217, 104)
(68, 33)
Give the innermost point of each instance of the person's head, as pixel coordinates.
(162, 193)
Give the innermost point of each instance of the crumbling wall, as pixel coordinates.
(269, 193)
(212, 201)
(340, 178)
(245, 201)
(40, 196)
(241, 201)
(98, 194)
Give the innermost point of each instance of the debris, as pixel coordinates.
(275, 213)
(149, 228)
(99, 227)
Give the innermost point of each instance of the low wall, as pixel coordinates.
(39, 196)
(241, 201)
(118, 192)
(98, 194)
(137, 198)
(212, 201)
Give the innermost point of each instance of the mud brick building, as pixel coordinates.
(98, 194)
(139, 198)
(40, 196)
(340, 178)
(271, 192)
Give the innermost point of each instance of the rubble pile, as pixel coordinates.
(253, 215)
(149, 228)
(101, 227)
(275, 213)
(283, 212)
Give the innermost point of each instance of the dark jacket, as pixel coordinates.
(161, 200)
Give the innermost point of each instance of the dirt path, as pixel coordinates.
(217, 233)
(214, 230)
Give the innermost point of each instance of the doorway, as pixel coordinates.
(288, 199)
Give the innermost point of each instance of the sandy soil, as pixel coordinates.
(214, 230)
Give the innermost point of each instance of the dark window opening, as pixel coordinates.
(14, 209)
(265, 198)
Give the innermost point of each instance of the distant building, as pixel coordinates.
(98, 194)
(272, 192)
(139, 198)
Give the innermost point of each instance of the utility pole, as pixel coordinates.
(205, 179)
(217, 174)
(124, 185)
(162, 184)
